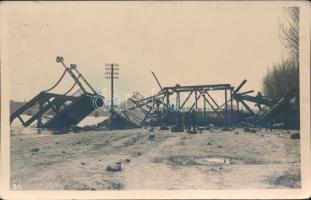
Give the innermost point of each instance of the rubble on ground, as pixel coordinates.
(114, 168)
(295, 135)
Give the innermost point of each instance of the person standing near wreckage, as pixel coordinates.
(193, 120)
(269, 126)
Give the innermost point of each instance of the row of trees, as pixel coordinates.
(283, 79)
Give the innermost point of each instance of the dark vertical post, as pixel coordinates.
(204, 105)
(39, 124)
(226, 104)
(226, 107)
(178, 101)
(231, 100)
(196, 100)
(111, 103)
(167, 107)
(231, 105)
(167, 100)
(57, 107)
(113, 72)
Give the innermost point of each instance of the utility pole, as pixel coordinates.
(112, 73)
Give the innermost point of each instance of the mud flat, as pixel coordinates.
(132, 159)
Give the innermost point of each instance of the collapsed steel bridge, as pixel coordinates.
(159, 110)
(59, 111)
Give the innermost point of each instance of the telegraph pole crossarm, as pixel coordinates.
(112, 70)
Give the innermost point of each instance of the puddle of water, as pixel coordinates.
(210, 160)
(213, 160)
(187, 161)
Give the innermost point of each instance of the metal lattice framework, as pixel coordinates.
(230, 110)
(59, 111)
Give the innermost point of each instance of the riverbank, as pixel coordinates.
(143, 159)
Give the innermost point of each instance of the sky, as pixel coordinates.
(187, 43)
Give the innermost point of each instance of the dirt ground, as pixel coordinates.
(214, 159)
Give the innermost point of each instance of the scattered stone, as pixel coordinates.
(127, 160)
(227, 129)
(219, 146)
(82, 163)
(151, 129)
(181, 160)
(93, 189)
(288, 180)
(151, 137)
(116, 186)
(162, 128)
(201, 128)
(250, 130)
(113, 168)
(63, 151)
(220, 168)
(119, 163)
(79, 142)
(35, 150)
(227, 161)
(138, 154)
(262, 135)
(236, 133)
(99, 160)
(209, 143)
(192, 132)
(56, 142)
(295, 136)
(84, 187)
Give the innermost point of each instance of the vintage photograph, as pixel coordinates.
(153, 95)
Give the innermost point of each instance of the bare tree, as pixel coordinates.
(289, 32)
(282, 80)
(284, 76)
